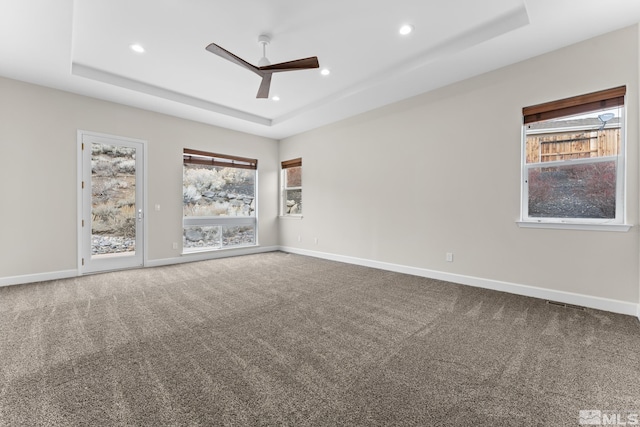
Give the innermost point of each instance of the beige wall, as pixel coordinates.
(403, 184)
(38, 184)
(441, 173)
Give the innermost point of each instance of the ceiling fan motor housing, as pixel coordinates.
(264, 40)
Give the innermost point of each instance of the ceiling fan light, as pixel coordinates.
(263, 62)
(405, 29)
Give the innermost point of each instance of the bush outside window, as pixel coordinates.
(573, 160)
(219, 201)
(292, 187)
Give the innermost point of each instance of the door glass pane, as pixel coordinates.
(113, 196)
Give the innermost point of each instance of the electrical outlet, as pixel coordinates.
(315, 240)
(175, 245)
(157, 206)
(299, 238)
(449, 257)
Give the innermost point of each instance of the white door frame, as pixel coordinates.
(81, 176)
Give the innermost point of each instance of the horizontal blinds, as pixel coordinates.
(293, 163)
(197, 157)
(609, 98)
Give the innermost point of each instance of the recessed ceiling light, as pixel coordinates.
(275, 98)
(325, 72)
(405, 29)
(137, 48)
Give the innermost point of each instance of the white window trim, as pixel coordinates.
(283, 197)
(225, 220)
(560, 225)
(592, 224)
(572, 128)
(220, 221)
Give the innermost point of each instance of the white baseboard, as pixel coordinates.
(38, 277)
(598, 303)
(205, 256)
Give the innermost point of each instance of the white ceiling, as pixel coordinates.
(82, 46)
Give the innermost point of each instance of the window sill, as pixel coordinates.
(575, 226)
(290, 216)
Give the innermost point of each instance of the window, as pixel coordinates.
(292, 187)
(219, 201)
(573, 160)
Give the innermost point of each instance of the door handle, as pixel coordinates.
(139, 214)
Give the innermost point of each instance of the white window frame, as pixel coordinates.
(283, 193)
(619, 223)
(222, 221)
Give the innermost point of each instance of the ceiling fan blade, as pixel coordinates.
(223, 53)
(297, 64)
(263, 91)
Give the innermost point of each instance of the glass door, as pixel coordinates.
(112, 203)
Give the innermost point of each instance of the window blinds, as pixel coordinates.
(212, 159)
(609, 98)
(293, 163)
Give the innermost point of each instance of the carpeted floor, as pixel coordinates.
(281, 339)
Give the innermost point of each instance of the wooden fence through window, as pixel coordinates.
(563, 145)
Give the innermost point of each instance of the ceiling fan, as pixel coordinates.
(264, 68)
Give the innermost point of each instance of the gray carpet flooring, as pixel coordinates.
(287, 340)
